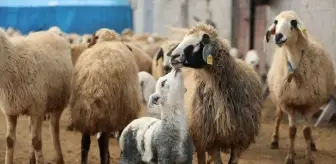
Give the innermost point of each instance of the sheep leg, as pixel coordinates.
(86, 141)
(201, 158)
(10, 138)
(214, 156)
(54, 131)
(36, 136)
(275, 135)
(234, 156)
(103, 142)
(292, 133)
(310, 145)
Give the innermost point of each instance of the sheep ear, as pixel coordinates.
(93, 40)
(269, 32)
(299, 25)
(208, 49)
(158, 55)
(171, 50)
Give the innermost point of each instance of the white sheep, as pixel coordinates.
(234, 52)
(252, 58)
(147, 85)
(300, 80)
(35, 80)
(165, 141)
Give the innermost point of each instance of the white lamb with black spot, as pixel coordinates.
(164, 141)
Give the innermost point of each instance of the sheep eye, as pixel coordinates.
(275, 22)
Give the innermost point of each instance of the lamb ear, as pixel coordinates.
(269, 32)
(154, 99)
(171, 50)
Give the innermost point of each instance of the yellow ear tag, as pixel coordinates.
(304, 31)
(209, 59)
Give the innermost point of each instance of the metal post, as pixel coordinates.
(252, 23)
(185, 13)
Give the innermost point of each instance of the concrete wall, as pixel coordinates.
(168, 13)
(318, 17)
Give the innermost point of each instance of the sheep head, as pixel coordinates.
(287, 28)
(164, 53)
(198, 48)
(104, 34)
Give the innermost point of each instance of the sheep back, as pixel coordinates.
(105, 90)
(37, 74)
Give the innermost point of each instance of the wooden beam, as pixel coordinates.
(328, 111)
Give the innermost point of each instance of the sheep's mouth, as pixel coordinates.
(280, 43)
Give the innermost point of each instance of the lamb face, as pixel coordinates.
(286, 27)
(168, 88)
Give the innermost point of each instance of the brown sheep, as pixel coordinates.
(143, 60)
(160, 62)
(105, 94)
(224, 111)
(300, 80)
(36, 76)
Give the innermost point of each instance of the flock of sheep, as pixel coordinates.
(165, 98)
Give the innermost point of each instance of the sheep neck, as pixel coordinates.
(294, 56)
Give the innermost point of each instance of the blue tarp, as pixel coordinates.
(80, 16)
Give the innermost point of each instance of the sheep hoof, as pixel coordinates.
(289, 159)
(70, 127)
(309, 161)
(275, 145)
(313, 147)
(32, 161)
(59, 161)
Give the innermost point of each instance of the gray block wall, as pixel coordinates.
(318, 16)
(168, 13)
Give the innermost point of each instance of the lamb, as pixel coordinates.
(105, 94)
(300, 80)
(35, 80)
(152, 140)
(252, 58)
(227, 95)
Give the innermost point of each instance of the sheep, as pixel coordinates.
(35, 80)
(164, 140)
(142, 59)
(160, 62)
(227, 95)
(300, 80)
(86, 38)
(74, 38)
(147, 85)
(234, 52)
(252, 58)
(77, 50)
(105, 94)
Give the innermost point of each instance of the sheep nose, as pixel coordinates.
(278, 38)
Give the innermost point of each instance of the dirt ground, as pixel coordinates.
(258, 153)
